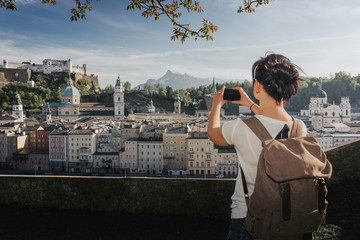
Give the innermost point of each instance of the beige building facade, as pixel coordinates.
(200, 152)
(150, 157)
(82, 145)
(129, 157)
(225, 161)
(175, 151)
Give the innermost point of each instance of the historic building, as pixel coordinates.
(322, 114)
(109, 140)
(17, 115)
(151, 113)
(106, 162)
(119, 109)
(70, 108)
(129, 156)
(177, 104)
(150, 157)
(4, 147)
(17, 109)
(29, 160)
(175, 149)
(225, 162)
(16, 143)
(48, 66)
(200, 151)
(59, 151)
(21, 72)
(82, 145)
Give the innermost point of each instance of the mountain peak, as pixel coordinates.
(182, 81)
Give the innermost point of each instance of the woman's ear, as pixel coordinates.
(257, 86)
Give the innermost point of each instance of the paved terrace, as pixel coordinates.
(55, 207)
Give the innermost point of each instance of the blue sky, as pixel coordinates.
(322, 37)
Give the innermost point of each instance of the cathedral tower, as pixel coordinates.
(17, 109)
(119, 99)
(177, 103)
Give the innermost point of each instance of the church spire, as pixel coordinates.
(118, 83)
(213, 90)
(177, 97)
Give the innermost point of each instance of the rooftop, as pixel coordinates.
(81, 132)
(70, 91)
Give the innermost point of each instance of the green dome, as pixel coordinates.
(70, 90)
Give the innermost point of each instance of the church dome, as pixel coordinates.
(319, 93)
(70, 90)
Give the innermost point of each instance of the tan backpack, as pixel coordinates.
(288, 201)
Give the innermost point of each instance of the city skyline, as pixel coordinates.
(320, 38)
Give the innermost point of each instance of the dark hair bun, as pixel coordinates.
(278, 75)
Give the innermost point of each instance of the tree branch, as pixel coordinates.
(156, 8)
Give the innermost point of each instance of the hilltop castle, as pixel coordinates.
(49, 66)
(21, 72)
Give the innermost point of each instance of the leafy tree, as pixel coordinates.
(172, 9)
(106, 95)
(127, 86)
(169, 92)
(162, 92)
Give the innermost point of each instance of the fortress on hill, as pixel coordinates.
(21, 72)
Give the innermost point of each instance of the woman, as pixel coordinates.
(275, 80)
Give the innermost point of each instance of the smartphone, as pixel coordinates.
(231, 94)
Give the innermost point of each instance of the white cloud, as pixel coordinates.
(26, 2)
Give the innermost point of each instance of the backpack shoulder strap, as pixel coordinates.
(258, 128)
(296, 130)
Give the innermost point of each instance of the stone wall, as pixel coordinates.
(186, 197)
(94, 79)
(161, 196)
(14, 75)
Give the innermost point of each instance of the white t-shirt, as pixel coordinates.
(248, 148)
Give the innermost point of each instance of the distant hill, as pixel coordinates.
(183, 81)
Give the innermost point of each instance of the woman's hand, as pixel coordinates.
(244, 100)
(219, 98)
(214, 127)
